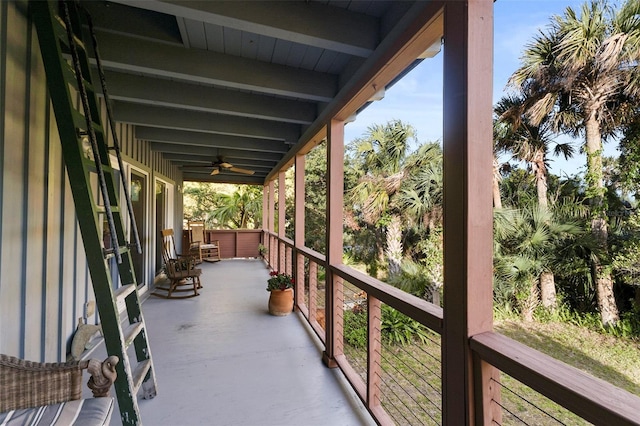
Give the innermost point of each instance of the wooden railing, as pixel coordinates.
(590, 398)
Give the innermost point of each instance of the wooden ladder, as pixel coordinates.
(95, 189)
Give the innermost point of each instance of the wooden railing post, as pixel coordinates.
(282, 219)
(271, 226)
(335, 205)
(299, 227)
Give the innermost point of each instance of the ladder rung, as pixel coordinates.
(69, 75)
(139, 374)
(79, 121)
(131, 332)
(109, 253)
(106, 168)
(61, 30)
(102, 210)
(79, 43)
(123, 292)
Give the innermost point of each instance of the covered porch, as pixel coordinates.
(220, 358)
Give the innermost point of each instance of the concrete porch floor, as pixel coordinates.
(221, 359)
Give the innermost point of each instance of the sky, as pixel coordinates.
(417, 98)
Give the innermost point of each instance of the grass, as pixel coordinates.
(606, 357)
(411, 386)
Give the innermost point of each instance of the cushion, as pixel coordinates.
(85, 412)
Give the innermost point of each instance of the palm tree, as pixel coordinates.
(530, 143)
(583, 74)
(239, 209)
(527, 243)
(379, 157)
(420, 199)
(526, 141)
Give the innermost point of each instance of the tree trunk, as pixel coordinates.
(394, 245)
(497, 200)
(540, 172)
(529, 304)
(595, 192)
(606, 298)
(548, 290)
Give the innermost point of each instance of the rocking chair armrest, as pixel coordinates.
(186, 257)
(26, 384)
(182, 263)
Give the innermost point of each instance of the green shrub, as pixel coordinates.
(355, 328)
(397, 328)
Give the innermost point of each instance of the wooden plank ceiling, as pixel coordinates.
(249, 83)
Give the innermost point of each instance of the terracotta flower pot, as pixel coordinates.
(281, 302)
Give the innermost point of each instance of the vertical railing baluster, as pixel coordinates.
(374, 351)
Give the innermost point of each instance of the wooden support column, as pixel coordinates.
(468, 212)
(272, 208)
(282, 207)
(335, 205)
(265, 214)
(299, 228)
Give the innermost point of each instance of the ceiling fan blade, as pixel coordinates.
(225, 165)
(215, 171)
(239, 170)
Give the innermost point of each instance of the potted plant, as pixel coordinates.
(262, 250)
(280, 287)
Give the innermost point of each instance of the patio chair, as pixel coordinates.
(34, 391)
(182, 275)
(199, 247)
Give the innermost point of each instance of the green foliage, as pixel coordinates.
(412, 279)
(518, 188)
(395, 200)
(355, 328)
(628, 327)
(223, 205)
(629, 160)
(397, 328)
(316, 197)
(528, 242)
(279, 281)
(238, 210)
(199, 200)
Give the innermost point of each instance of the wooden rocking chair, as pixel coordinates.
(199, 247)
(180, 269)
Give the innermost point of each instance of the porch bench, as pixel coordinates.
(37, 393)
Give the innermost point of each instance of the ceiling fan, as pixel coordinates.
(221, 164)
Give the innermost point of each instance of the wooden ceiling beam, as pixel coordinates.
(313, 24)
(212, 153)
(211, 140)
(201, 66)
(171, 118)
(196, 97)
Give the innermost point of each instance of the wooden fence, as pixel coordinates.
(233, 242)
